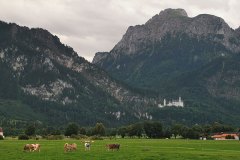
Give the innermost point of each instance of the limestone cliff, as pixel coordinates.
(172, 21)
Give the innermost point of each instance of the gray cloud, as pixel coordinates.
(90, 26)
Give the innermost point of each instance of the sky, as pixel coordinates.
(91, 26)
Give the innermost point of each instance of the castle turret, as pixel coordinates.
(180, 99)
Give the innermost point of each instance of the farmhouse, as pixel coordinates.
(225, 136)
(1, 132)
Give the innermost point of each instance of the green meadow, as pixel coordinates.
(130, 149)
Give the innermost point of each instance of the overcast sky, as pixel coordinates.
(90, 26)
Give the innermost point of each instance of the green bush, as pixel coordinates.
(54, 137)
(80, 136)
(96, 138)
(71, 129)
(83, 136)
(23, 137)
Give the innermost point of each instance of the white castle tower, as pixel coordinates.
(164, 102)
(179, 103)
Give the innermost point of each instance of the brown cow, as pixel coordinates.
(28, 147)
(70, 147)
(113, 146)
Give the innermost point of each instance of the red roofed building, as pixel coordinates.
(1, 132)
(226, 136)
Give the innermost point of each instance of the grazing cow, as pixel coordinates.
(36, 147)
(28, 147)
(113, 147)
(87, 146)
(70, 147)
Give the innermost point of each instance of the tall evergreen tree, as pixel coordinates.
(72, 129)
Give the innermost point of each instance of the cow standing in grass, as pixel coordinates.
(36, 147)
(28, 147)
(70, 147)
(31, 147)
(113, 147)
(87, 146)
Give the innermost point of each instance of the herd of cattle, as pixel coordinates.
(69, 147)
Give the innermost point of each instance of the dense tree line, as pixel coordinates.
(146, 129)
(152, 129)
(197, 131)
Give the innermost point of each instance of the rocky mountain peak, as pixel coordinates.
(173, 12)
(172, 50)
(167, 14)
(174, 22)
(210, 24)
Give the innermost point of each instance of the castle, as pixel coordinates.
(173, 103)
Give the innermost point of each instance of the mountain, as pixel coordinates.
(46, 82)
(175, 55)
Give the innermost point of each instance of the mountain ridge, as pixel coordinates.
(172, 54)
(157, 27)
(47, 73)
(54, 86)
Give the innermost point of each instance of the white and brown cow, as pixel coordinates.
(36, 147)
(31, 147)
(28, 147)
(70, 147)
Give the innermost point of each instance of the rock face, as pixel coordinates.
(176, 55)
(173, 21)
(238, 31)
(99, 56)
(170, 35)
(42, 68)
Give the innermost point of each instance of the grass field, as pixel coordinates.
(130, 149)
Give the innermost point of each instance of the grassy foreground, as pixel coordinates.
(130, 149)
